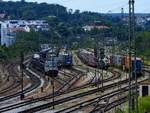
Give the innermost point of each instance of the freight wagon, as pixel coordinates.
(123, 62)
(136, 64)
(89, 59)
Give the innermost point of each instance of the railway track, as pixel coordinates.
(146, 69)
(48, 105)
(65, 78)
(35, 83)
(95, 101)
(13, 72)
(63, 100)
(70, 83)
(111, 105)
(57, 93)
(102, 107)
(16, 79)
(60, 94)
(71, 78)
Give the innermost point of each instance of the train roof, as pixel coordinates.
(137, 58)
(85, 51)
(65, 53)
(37, 56)
(45, 50)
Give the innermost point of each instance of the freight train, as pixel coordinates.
(46, 62)
(124, 63)
(50, 60)
(89, 59)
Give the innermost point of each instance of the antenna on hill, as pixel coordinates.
(122, 13)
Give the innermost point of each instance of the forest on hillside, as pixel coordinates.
(65, 27)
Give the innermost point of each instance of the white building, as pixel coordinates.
(144, 88)
(148, 19)
(140, 21)
(9, 29)
(6, 38)
(91, 27)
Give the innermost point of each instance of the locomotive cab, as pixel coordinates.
(51, 65)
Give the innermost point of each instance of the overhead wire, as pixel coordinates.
(117, 8)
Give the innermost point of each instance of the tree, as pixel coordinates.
(143, 44)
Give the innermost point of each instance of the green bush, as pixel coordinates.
(144, 104)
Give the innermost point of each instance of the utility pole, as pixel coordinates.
(53, 91)
(121, 27)
(131, 71)
(101, 63)
(102, 56)
(134, 41)
(97, 60)
(38, 43)
(22, 67)
(52, 58)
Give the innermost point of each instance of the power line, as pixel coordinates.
(117, 8)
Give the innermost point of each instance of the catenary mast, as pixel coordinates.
(132, 51)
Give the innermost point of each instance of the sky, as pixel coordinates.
(103, 6)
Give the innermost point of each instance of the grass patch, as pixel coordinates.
(144, 106)
(147, 62)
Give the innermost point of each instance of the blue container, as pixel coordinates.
(137, 66)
